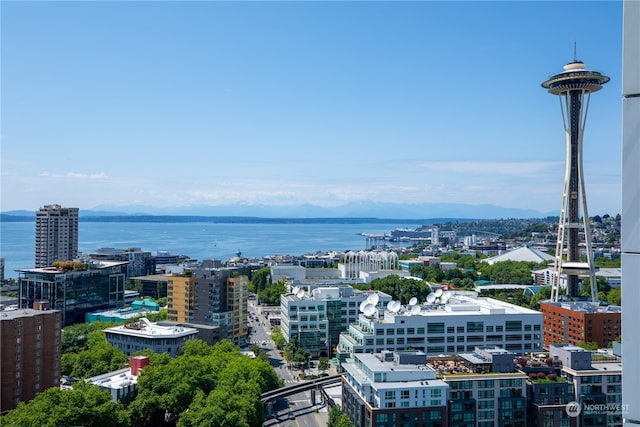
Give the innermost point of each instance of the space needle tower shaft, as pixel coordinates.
(574, 87)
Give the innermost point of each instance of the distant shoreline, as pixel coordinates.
(237, 219)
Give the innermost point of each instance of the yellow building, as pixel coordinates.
(237, 293)
(211, 297)
(181, 298)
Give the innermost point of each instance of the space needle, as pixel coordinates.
(574, 86)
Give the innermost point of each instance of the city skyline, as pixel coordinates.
(283, 103)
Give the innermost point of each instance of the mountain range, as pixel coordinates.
(348, 210)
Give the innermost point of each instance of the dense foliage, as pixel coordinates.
(338, 419)
(271, 294)
(83, 405)
(401, 288)
(194, 388)
(98, 358)
(260, 279)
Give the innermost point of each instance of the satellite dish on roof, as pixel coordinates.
(431, 298)
(362, 304)
(295, 290)
(415, 309)
(438, 293)
(373, 298)
(300, 293)
(446, 297)
(413, 301)
(396, 306)
(369, 310)
(390, 306)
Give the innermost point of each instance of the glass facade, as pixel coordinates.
(74, 293)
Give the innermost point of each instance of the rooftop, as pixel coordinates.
(456, 303)
(116, 379)
(144, 328)
(10, 313)
(585, 306)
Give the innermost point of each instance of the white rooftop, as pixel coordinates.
(144, 328)
(523, 253)
(458, 303)
(115, 380)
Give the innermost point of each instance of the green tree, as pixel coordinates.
(84, 405)
(260, 279)
(271, 294)
(509, 272)
(189, 386)
(543, 294)
(401, 288)
(338, 419)
(99, 358)
(590, 345)
(278, 338)
(75, 337)
(603, 286)
(614, 297)
(323, 364)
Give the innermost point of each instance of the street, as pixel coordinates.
(296, 410)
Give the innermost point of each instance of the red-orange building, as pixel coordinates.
(572, 322)
(29, 353)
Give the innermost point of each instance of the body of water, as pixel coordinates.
(198, 240)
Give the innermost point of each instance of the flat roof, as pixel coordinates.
(460, 303)
(115, 380)
(160, 277)
(92, 265)
(10, 314)
(146, 329)
(585, 306)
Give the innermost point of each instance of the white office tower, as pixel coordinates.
(56, 235)
(631, 210)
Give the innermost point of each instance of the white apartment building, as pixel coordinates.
(390, 388)
(317, 317)
(139, 336)
(456, 323)
(56, 235)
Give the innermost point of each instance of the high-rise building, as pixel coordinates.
(574, 86)
(211, 297)
(630, 232)
(75, 289)
(316, 318)
(456, 323)
(56, 235)
(30, 353)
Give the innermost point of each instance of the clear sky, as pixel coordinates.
(209, 103)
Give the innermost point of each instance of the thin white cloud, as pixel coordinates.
(492, 167)
(75, 175)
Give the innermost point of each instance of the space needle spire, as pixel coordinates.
(574, 87)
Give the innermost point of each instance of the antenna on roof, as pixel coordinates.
(575, 55)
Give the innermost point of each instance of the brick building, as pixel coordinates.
(30, 353)
(572, 322)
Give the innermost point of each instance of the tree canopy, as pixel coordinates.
(401, 288)
(98, 358)
(193, 388)
(84, 405)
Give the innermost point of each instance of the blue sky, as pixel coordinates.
(282, 103)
